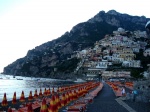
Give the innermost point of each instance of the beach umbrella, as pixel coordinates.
(70, 95)
(67, 97)
(79, 92)
(58, 90)
(57, 100)
(30, 96)
(22, 98)
(40, 93)
(4, 101)
(75, 95)
(43, 106)
(53, 91)
(45, 92)
(64, 100)
(52, 107)
(9, 109)
(30, 108)
(35, 94)
(48, 92)
(14, 100)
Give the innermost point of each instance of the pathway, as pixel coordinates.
(105, 101)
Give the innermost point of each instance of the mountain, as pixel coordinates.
(55, 58)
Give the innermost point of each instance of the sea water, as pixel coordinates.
(9, 85)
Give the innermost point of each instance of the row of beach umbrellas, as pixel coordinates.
(66, 94)
(22, 97)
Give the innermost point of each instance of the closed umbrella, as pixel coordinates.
(44, 106)
(48, 92)
(4, 101)
(40, 93)
(14, 100)
(35, 94)
(30, 96)
(58, 90)
(30, 108)
(53, 91)
(22, 98)
(58, 104)
(52, 107)
(63, 100)
(9, 109)
(45, 92)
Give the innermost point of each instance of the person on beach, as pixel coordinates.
(135, 93)
(123, 92)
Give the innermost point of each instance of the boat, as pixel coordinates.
(7, 77)
(37, 79)
(80, 80)
(19, 79)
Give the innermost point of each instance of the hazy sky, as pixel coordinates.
(25, 24)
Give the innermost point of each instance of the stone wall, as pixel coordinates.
(143, 88)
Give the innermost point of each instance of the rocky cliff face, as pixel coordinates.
(43, 60)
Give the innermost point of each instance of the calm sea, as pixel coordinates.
(9, 85)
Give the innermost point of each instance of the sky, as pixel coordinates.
(25, 24)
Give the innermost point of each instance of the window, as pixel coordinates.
(143, 87)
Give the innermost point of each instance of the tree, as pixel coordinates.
(136, 73)
(103, 48)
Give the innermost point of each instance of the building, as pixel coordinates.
(146, 52)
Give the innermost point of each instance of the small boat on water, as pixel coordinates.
(80, 80)
(19, 79)
(7, 77)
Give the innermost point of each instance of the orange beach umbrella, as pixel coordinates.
(48, 92)
(44, 106)
(58, 104)
(35, 94)
(63, 101)
(58, 90)
(9, 109)
(52, 107)
(30, 108)
(67, 97)
(4, 101)
(45, 92)
(53, 91)
(30, 96)
(14, 100)
(40, 93)
(22, 98)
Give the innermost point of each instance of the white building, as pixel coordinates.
(103, 64)
(133, 63)
(139, 34)
(121, 30)
(146, 52)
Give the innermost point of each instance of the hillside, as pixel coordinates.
(56, 58)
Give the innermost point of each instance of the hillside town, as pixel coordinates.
(115, 51)
(114, 57)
